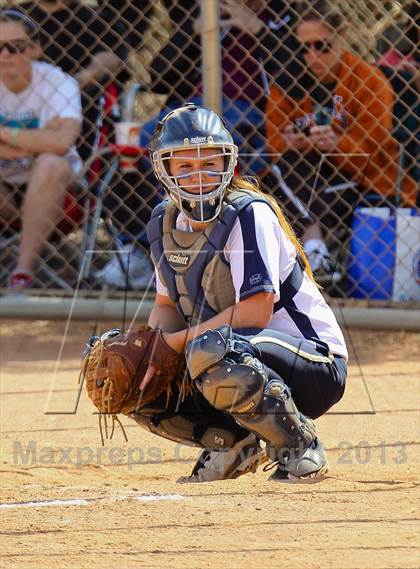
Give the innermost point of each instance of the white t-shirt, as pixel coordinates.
(260, 257)
(52, 93)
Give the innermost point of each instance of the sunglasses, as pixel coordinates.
(14, 47)
(323, 46)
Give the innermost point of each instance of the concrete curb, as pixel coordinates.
(47, 308)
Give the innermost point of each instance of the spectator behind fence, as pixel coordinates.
(256, 41)
(400, 64)
(88, 46)
(339, 135)
(40, 117)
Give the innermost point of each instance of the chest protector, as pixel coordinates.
(191, 264)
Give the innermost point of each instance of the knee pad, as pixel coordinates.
(226, 370)
(234, 387)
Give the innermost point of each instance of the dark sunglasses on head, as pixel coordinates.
(323, 46)
(13, 47)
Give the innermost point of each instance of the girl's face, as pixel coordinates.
(321, 49)
(197, 168)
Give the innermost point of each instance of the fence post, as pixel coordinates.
(211, 59)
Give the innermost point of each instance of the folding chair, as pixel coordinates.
(120, 158)
(114, 160)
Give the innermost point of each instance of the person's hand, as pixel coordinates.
(324, 138)
(176, 341)
(240, 16)
(296, 140)
(9, 153)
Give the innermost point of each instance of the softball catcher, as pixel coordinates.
(224, 253)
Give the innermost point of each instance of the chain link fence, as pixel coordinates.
(281, 72)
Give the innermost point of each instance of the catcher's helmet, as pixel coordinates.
(194, 128)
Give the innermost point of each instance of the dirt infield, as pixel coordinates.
(68, 502)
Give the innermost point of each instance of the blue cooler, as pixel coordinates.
(372, 254)
(383, 252)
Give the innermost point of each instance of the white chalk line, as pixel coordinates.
(44, 503)
(89, 501)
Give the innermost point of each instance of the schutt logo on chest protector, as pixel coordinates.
(178, 259)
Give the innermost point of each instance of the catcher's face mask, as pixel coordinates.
(194, 157)
(197, 177)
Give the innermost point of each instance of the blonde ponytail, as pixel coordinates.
(240, 183)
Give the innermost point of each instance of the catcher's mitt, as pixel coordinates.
(115, 364)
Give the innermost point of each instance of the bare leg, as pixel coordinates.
(42, 206)
(8, 210)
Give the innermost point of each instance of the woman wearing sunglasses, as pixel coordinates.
(336, 143)
(40, 116)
